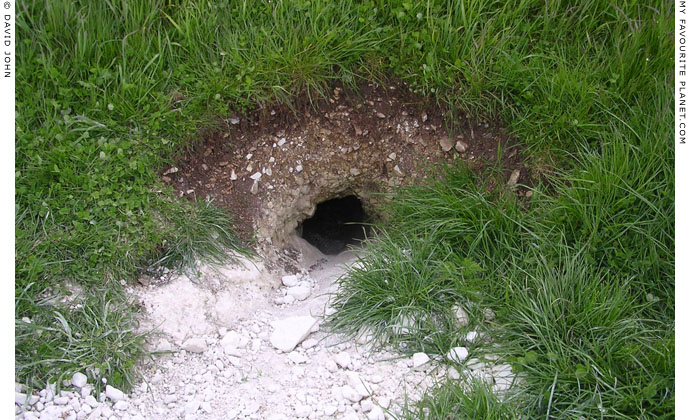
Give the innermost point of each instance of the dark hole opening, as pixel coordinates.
(336, 224)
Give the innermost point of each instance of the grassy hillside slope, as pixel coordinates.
(581, 280)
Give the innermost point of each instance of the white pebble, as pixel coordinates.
(79, 380)
(343, 359)
(419, 359)
(457, 354)
(113, 393)
(471, 336)
(121, 405)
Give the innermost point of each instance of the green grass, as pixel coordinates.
(474, 400)
(581, 277)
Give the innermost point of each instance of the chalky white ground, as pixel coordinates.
(235, 347)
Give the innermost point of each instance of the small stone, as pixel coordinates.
(461, 146)
(291, 331)
(290, 281)
(256, 176)
(281, 142)
(234, 121)
(381, 115)
(354, 380)
(299, 168)
(331, 366)
(350, 394)
(79, 379)
(457, 354)
(376, 413)
(445, 144)
(302, 410)
(376, 379)
(233, 175)
(91, 401)
(453, 373)
(206, 406)
(329, 410)
(113, 393)
(297, 358)
(192, 407)
(255, 187)
(195, 345)
(60, 400)
(163, 346)
(392, 157)
(398, 171)
(461, 316)
(309, 343)
(20, 399)
(502, 384)
(231, 342)
(343, 359)
(514, 176)
(419, 359)
(471, 336)
(489, 314)
(121, 405)
(366, 405)
(300, 292)
(171, 171)
(424, 117)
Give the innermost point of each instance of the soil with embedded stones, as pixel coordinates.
(270, 168)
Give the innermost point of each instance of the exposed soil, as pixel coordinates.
(219, 353)
(270, 168)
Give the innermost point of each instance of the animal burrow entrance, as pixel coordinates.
(336, 224)
(272, 167)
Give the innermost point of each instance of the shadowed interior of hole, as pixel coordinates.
(336, 224)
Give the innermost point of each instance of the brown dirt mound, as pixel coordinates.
(270, 168)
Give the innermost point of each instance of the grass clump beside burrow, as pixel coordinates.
(108, 93)
(587, 339)
(581, 275)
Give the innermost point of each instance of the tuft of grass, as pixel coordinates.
(404, 288)
(472, 400)
(66, 331)
(204, 235)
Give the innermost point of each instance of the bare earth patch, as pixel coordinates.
(272, 167)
